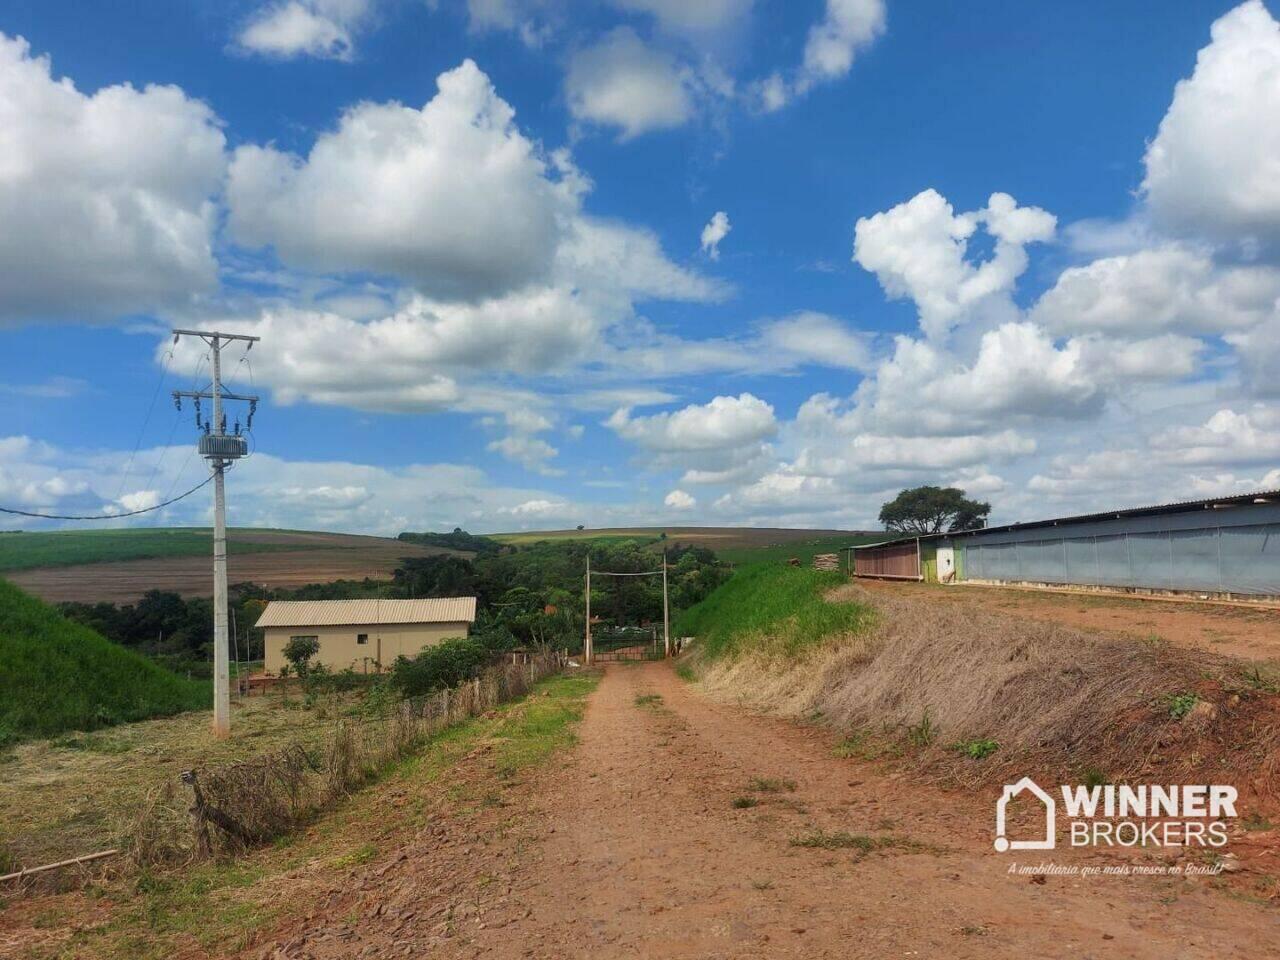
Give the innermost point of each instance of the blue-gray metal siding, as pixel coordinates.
(1233, 550)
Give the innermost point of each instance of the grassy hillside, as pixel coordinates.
(56, 675)
(770, 606)
(64, 548)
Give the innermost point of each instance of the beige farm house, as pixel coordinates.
(363, 634)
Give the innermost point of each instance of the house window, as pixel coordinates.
(362, 638)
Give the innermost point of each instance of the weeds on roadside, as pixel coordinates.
(1093, 777)
(771, 784)
(743, 803)
(976, 749)
(1257, 680)
(1180, 704)
(923, 733)
(850, 746)
(1255, 821)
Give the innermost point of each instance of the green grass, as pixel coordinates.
(774, 607)
(69, 548)
(545, 725)
(57, 675)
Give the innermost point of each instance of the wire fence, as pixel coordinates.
(222, 809)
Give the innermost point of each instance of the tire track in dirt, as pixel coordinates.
(633, 848)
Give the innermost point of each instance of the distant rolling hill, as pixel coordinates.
(120, 565)
(735, 544)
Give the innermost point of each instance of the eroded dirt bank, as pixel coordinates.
(633, 847)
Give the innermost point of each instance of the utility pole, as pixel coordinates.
(666, 611)
(219, 448)
(586, 647)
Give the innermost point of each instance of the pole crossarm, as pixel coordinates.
(642, 573)
(224, 394)
(210, 335)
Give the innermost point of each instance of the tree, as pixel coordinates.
(299, 651)
(931, 509)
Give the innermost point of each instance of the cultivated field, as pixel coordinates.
(67, 548)
(123, 567)
(735, 544)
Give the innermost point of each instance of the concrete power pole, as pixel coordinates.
(219, 448)
(586, 647)
(666, 611)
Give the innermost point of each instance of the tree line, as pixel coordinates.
(526, 596)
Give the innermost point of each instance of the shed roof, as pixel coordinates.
(1181, 506)
(333, 613)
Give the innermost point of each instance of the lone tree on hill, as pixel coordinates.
(931, 509)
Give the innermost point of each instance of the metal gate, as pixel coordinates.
(626, 647)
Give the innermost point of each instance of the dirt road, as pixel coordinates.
(633, 847)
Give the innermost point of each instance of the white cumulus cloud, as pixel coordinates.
(722, 423)
(679, 500)
(919, 250)
(622, 82)
(717, 229)
(847, 28)
(323, 29)
(451, 197)
(105, 198)
(1214, 165)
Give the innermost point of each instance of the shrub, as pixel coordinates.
(299, 652)
(445, 665)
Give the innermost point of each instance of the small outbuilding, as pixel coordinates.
(366, 635)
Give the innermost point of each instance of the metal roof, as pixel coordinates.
(334, 613)
(1179, 506)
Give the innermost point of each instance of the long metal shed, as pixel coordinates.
(1220, 546)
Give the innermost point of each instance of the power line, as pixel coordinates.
(109, 516)
(164, 371)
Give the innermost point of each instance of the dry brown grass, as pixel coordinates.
(930, 676)
(274, 794)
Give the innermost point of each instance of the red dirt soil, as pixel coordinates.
(632, 847)
(1236, 630)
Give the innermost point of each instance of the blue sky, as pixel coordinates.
(534, 263)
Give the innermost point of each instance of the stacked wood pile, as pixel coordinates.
(826, 561)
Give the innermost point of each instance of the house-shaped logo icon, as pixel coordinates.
(1003, 843)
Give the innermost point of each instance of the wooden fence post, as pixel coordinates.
(199, 822)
